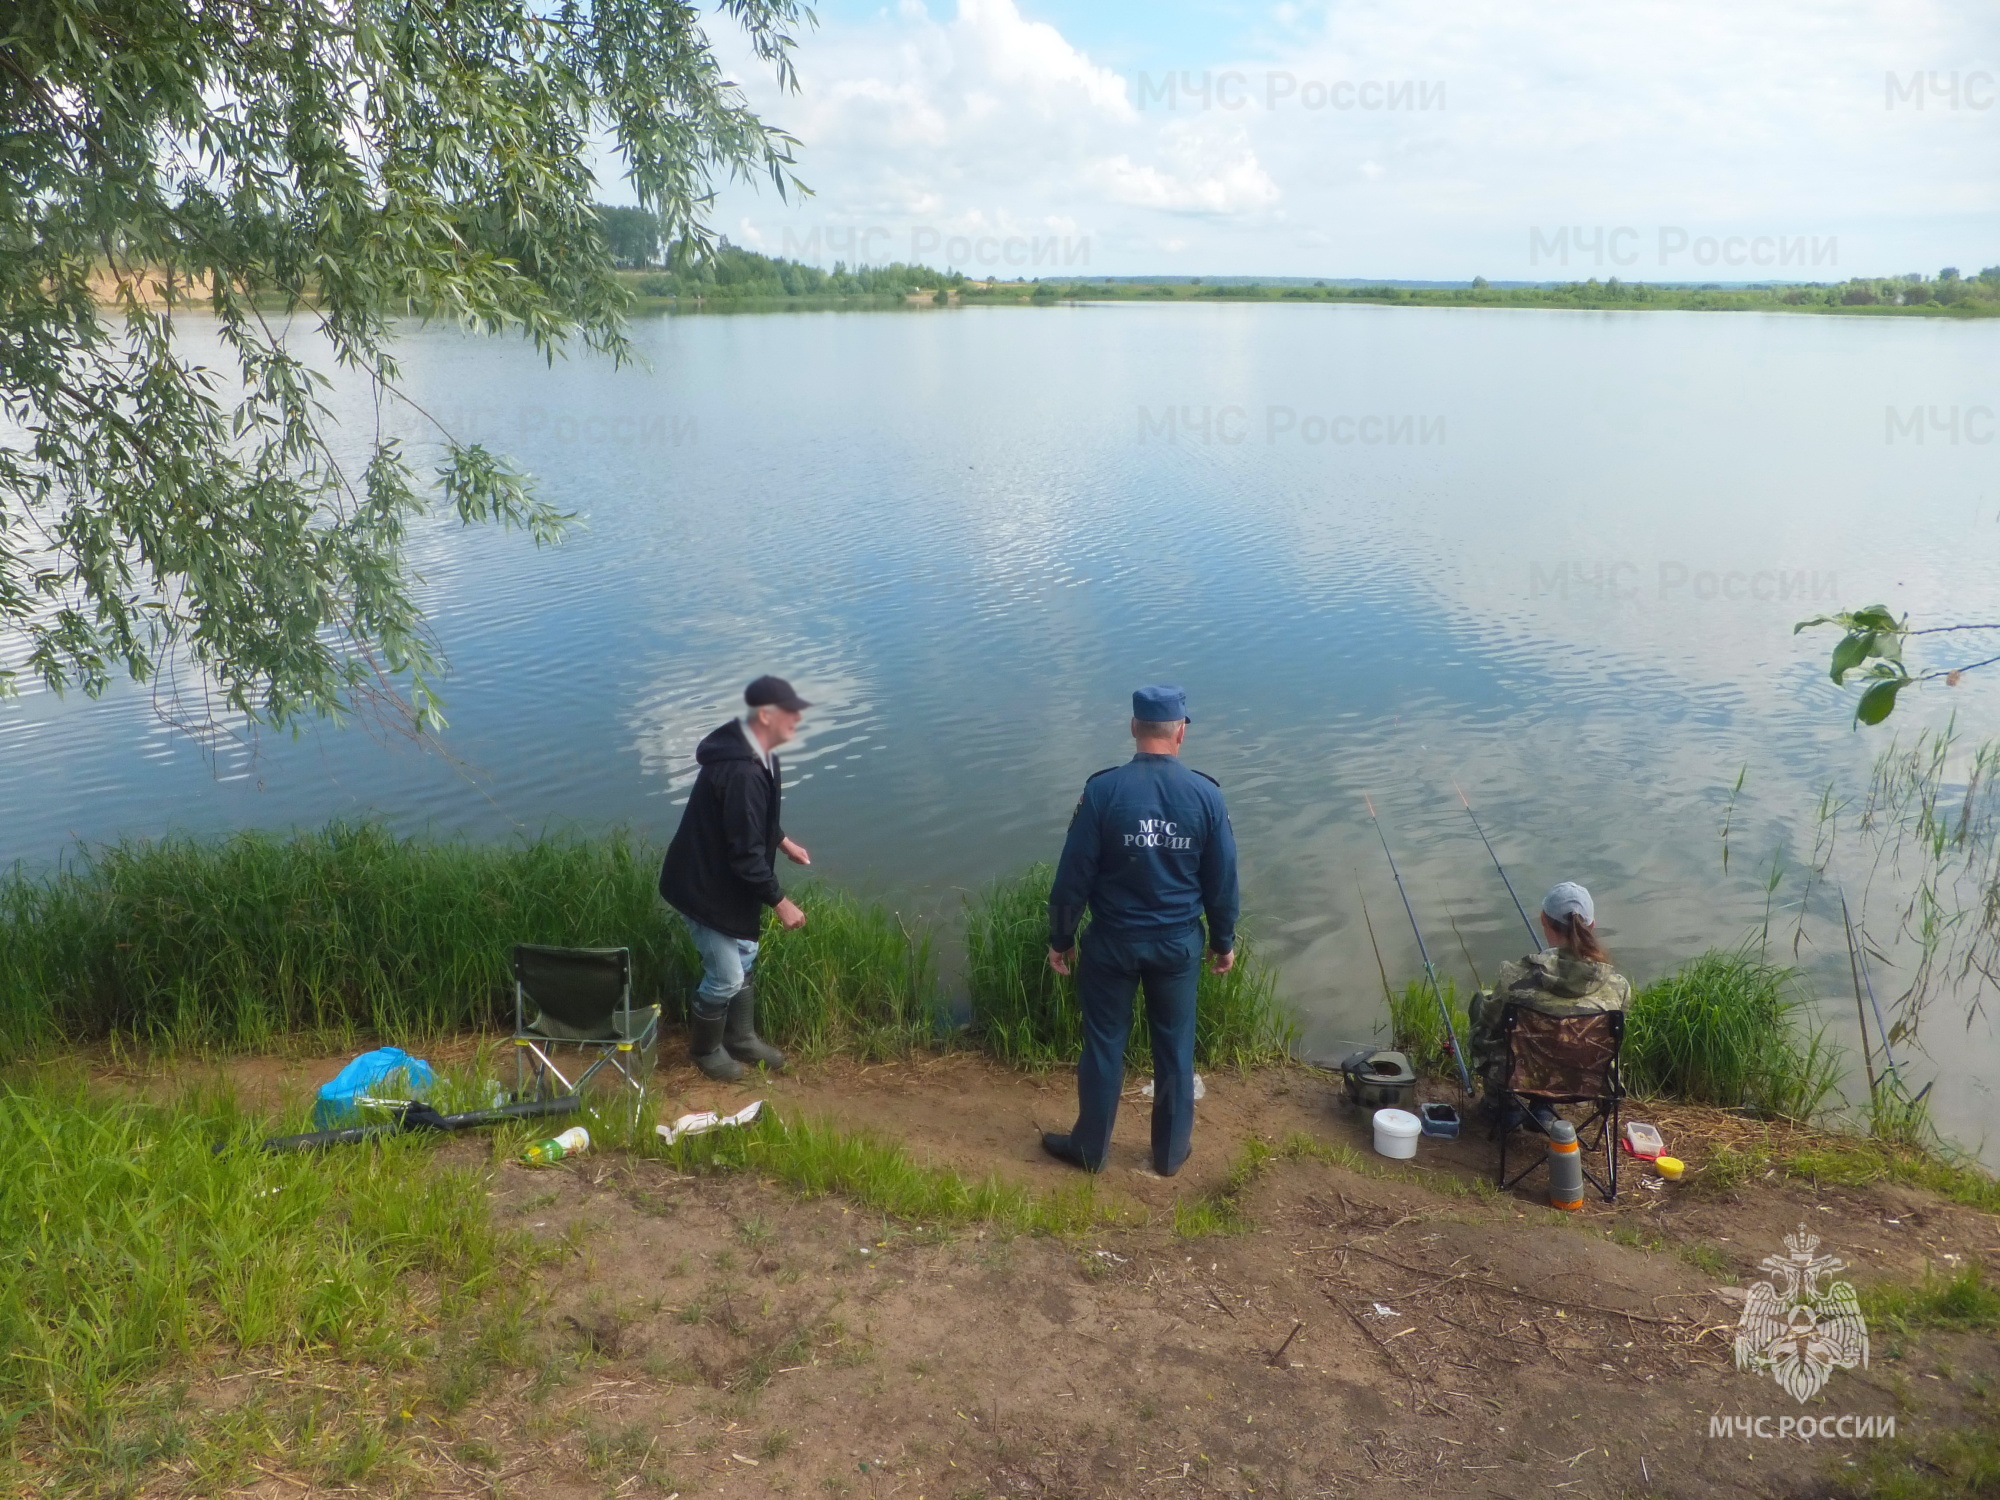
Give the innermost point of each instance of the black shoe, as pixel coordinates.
(739, 1032)
(706, 1051)
(1062, 1148)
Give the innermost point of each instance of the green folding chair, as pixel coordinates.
(581, 998)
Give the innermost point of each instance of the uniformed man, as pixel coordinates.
(1150, 853)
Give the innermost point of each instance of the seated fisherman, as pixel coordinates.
(1573, 973)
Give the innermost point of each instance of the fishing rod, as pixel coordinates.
(1444, 1011)
(1534, 937)
(411, 1115)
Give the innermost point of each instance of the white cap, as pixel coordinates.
(1567, 900)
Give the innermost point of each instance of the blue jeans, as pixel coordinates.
(725, 966)
(1112, 968)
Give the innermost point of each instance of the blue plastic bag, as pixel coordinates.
(385, 1073)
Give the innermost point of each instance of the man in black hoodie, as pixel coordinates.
(720, 873)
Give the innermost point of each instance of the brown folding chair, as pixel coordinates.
(1564, 1056)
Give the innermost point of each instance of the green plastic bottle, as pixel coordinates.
(570, 1143)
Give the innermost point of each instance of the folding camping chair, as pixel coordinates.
(1567, 1056)
(582, 998)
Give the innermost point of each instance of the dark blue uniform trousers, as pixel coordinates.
(1112, 967)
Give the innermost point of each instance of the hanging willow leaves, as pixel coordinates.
(1872, 642)
(300, 172)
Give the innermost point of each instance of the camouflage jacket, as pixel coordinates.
(1558, 979)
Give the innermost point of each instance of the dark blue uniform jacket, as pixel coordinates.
(1149, 852)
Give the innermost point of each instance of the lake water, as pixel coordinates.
(1555, 557)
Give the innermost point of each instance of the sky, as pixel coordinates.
(1660, 140)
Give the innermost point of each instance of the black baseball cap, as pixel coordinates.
(774, 692)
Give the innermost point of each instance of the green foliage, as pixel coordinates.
(1726, 1028)
(1893, 296)
(632, 235)
(1026, 1014)
(252, 939)
(1956, 1462)
(131, 1243)
(1872, 644)
(1962, 1300)
(815, 1157)
(731, 274)
(855, 979)
(1221, 1212)
(341, 167)
(1857, 1162)
(1416, 1029)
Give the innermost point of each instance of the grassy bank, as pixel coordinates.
(1026, 1014)
(324, 938)
(133, 1246)
(243, 941)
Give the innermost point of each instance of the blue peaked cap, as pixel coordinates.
(1160, 704)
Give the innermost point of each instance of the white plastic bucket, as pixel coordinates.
(1396, 1132)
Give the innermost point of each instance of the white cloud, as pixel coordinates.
(1389, 138)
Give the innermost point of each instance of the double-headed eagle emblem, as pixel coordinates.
(1801, 1333)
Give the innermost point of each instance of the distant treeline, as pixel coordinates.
(729, 273)
(734, 274)
(1947, 292)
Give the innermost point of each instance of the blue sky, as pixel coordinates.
(1651, 139)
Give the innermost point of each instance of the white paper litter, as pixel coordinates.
(1383, 1310)
(707, 1120)
(1200, 1089)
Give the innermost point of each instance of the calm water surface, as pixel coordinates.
(1555, 557)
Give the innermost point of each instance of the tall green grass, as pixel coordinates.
(130, 1243)
(243, 941)
(1026, 1014)
(1727, 1028)
(855, 979)
(815, 1157)
(318, 938)
(1416, 1029)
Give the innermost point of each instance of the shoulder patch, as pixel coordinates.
(1105, 772)
(1207, 778)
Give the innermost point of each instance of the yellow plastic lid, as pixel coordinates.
(1670, 1167)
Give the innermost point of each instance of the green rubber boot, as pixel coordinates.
(739, 1034)
(706, 1049)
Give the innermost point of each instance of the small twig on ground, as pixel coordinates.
(1279, 1353)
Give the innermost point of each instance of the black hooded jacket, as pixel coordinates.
(721, 867)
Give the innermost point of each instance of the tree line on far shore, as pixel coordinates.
(655, 267)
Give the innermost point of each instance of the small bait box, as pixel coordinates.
(1643, 1141)
(1440, 1120)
